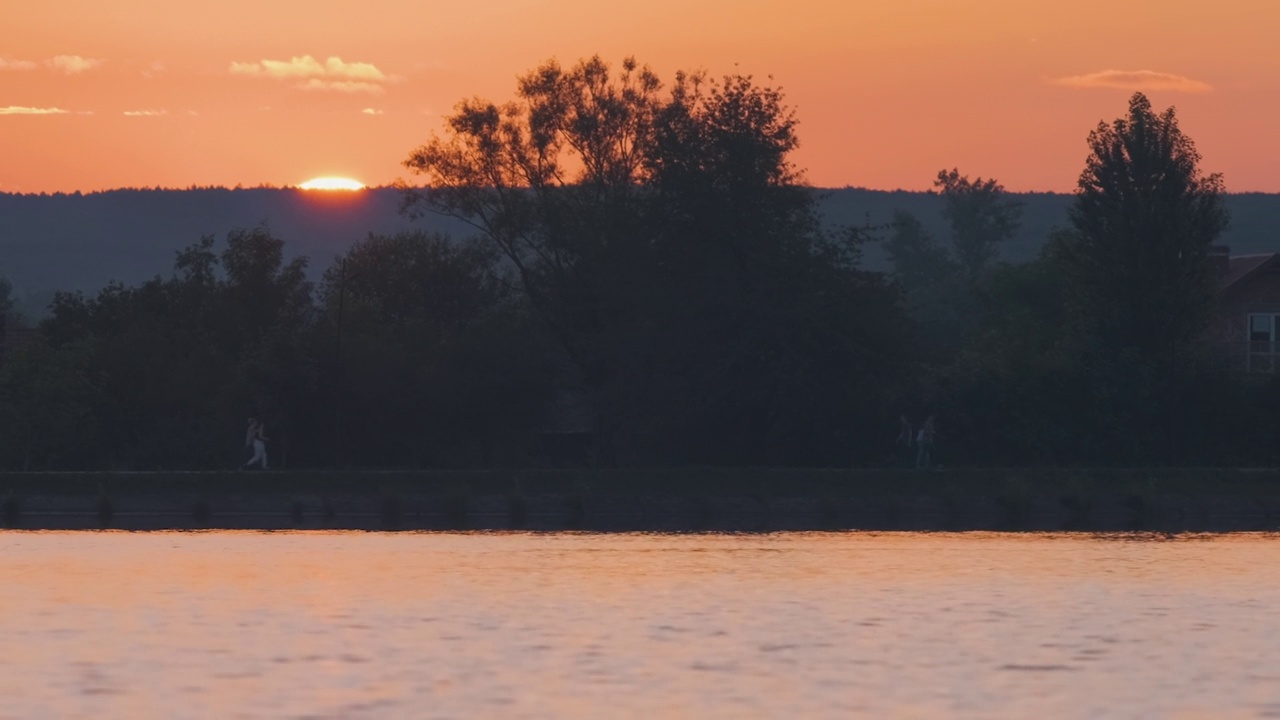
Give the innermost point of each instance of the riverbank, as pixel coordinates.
(687, 499)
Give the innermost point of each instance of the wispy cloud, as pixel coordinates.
(145, 113)
(371, 111)
(73, 64)
(7, 64)
(333, 74)
(346, 86)
(20, 110)
(1135, 80)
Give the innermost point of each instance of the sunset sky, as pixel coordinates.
(98, 95)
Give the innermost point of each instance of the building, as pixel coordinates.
(1247, 320)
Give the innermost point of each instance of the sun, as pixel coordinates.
(332, 183)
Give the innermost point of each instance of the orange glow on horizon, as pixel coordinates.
(145, 93)
(332, 183)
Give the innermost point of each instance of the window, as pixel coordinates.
(1263, 342)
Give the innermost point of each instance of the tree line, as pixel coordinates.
(648, 281)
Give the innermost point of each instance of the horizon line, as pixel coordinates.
(266, 186)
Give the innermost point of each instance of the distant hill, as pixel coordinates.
(1255, 218)
(81, 242)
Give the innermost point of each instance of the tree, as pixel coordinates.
(45, 402)
(1017, 393)
(674, 254)
(1137, 260)
(552, 180)
(179, 362)
(934, 291)
(1144, 220)
(981, 218)
(774, 346)
(6, 298)
(439, 363)
(918, 260)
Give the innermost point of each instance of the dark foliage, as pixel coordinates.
(642, 278)
(704, 311)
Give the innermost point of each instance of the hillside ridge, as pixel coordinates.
(81, 242)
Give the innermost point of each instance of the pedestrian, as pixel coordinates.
(924, 443)
(902, 446)
(256, 438)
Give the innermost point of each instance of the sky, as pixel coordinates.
(142, 93)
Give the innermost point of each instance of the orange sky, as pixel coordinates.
(96, 95)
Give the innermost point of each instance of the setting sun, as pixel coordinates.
(332, 183)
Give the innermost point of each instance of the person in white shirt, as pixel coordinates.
(924, 443)
(256, 437)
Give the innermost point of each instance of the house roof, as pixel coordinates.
(1240, 267)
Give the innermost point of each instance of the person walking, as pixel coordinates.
(256, 437)
(902, 445)
(924, 443)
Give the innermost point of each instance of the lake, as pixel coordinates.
(436, 625)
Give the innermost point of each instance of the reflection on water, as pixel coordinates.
(354, 625)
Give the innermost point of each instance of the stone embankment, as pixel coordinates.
(686, 500)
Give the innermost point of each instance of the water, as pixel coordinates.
(362, 625)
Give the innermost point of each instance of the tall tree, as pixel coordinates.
(981, 215)
(552, 180)
(773, 340)
(1144, 218)
(1139, 277)
(674, 253)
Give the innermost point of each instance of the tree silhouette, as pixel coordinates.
(552, 180)
(45, 406)
(177, 363)
(1140, 282)
(981, 216)
(1144, 219)
(439, 365)
(674, 255)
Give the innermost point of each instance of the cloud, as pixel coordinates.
(1135, 80)
(7, 64)
(20, 110)
(73, 64)
(145, 113)
(371, 111)
(308, 67)
(333, 74)
(346, 86)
